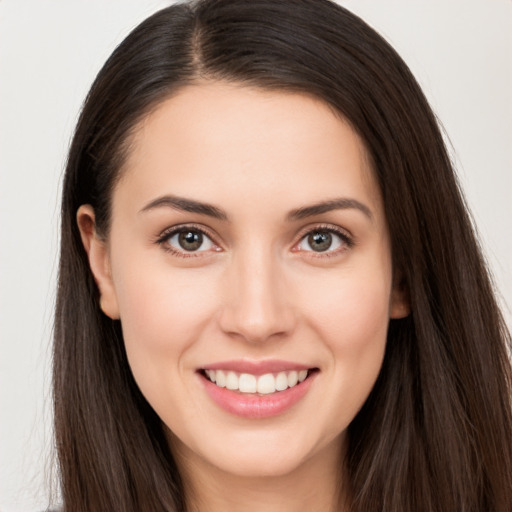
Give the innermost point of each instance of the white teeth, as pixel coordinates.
(264, 384)
(247, 383)
(281, 381)
(220, 379)
(293, 378)
(231, 381)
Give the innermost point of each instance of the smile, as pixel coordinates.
(263, 384)
(257, 390)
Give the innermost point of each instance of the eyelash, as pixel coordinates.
(164, 237)
(346, 239)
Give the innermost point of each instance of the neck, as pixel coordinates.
(314, 485)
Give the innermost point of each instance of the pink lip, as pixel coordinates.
(256, 367)
(253, 406)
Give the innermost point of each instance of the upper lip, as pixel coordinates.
(256, 367)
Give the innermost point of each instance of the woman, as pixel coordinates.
(270, 295)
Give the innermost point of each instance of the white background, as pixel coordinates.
(460, 51)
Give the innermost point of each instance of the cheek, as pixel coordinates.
(352, 308)
(162, 312)
(352, 320)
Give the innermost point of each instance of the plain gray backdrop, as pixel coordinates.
(460, 51)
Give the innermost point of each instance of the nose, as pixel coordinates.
(257, 304)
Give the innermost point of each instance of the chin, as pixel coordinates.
(264, 453)
(263, 465)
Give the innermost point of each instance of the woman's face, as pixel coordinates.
(249, 246)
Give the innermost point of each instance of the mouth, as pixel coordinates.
(257, 391)
(251, 384)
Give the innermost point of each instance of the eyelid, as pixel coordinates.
(168, 232)
(346, 237)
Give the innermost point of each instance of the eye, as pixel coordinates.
(324, 240)
(186, 240)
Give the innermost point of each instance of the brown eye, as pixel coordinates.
(190, 240)
(320, 241)
(187, 240)
(324, 240)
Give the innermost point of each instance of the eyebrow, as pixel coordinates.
(341, 203)
(186, 205)
(191, 206)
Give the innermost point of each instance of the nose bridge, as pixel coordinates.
(256, 306)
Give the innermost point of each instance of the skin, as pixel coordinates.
(259, 291)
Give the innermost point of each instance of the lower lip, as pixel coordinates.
(257, 406)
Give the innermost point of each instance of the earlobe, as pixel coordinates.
(99, 260)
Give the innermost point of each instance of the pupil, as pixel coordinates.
(320, 241)
(190, 240)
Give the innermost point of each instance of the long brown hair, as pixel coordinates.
(435, 433)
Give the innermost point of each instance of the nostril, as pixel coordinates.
(258, 312)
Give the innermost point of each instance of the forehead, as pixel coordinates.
(219, 139)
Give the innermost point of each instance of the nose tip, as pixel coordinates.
(255, 324)
(257, 306)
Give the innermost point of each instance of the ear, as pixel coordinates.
(400, 304)
(99, 260)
